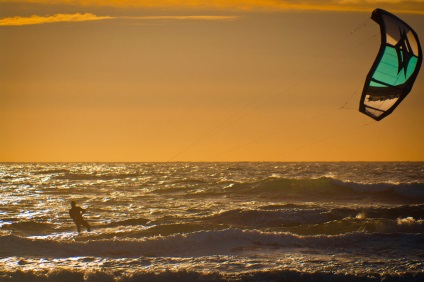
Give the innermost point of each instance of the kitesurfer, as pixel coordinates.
(76, 213)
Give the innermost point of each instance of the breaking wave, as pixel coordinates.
(201, 243)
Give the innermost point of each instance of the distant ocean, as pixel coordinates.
(344, 221)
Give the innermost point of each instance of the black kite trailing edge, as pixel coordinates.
(395, 69)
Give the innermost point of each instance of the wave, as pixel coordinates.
(52, 171)
(202, 243)
(189, 181)
(329, 189)
(313, 219)
(173, 229)
(29, 227)
(270, 218)
(197, 276)
(349, 225)
(93, 176)
(301, 219)
(389, 212)
(128, 222)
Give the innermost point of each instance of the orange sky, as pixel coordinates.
(188, 81)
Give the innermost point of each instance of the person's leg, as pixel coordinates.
(78, 225)
(85, 223)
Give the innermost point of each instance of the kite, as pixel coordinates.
(395, 69)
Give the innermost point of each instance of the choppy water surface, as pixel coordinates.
(213, 222)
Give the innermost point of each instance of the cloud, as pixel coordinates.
(33, 20)
(19, 21)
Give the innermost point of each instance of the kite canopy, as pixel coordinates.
(394, 71)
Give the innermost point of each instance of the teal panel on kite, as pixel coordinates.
(395, 69)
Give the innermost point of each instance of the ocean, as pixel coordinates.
(259, 221)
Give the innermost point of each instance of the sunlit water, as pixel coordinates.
(213, 222)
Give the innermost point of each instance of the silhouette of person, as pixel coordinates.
(76, 214)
